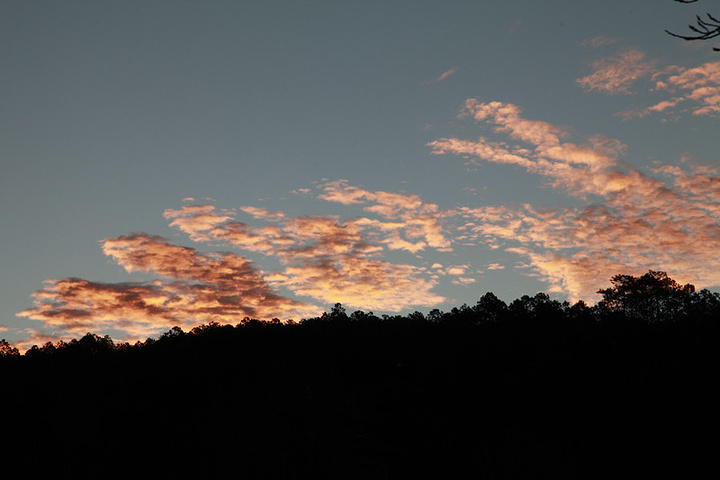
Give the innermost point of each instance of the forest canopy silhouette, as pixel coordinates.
(531, 388)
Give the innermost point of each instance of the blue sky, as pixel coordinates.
(392, 156)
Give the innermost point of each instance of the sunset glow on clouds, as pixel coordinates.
(337, 261)
(699, 85)
(631, 221)
(194, 288)
(616, 74)
(696, 90)
(627, 221)
(324, 260)
(251, 167)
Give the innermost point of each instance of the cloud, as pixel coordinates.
(196, 288)
(38, 337)
(411, 217)
(445, 75)
(195, 220)
(599, 41)
(360, 282)
(457, 270)
(624, 220)
(331, 260)
(699, 85)
(666, 219)
(263, 213)
(696, 89)
(581, 169)
(616, 74)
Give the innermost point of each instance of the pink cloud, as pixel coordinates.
(616, 74)
(200, 288)
(442, 77)
(338, 261)
(632, 221)
(412, 217)
(584, 169)
(700, 84)
(445, 75)
(195, 220)
(263, 213)
(632, 113)
(697, 88)
(360, 282)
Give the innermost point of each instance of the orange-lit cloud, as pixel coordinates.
(616, 74)
(581, 169)
(195, 288)
(331, 260)
(624, 220)
(38, 337)
(322, 259)
(695, 90)
(195, 220)
(445, 75)
(665, 219)
(700, 85)
(411, 217)
(360, 282)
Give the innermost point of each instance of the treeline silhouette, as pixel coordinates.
(532, 389)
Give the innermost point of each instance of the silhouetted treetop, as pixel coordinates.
(7, 350)
(533, 389)
(653, 296)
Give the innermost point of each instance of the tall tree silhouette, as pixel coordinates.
(652, 297)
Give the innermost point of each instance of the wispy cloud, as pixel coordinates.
(616, 74)
(340, 261)
(666, 219)
(194, 288)
(700, 85)
(582, 169)
(600, 41)
(415, 220)
(323, 259)
(696, 90)
(625, 220)
(443, 76)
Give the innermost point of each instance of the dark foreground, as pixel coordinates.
(551, 393)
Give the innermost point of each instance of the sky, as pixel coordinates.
(174, 163)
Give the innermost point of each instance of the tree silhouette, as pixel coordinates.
(7, 350)
(652, 297)
(705, 29)
(531, 389)
(490, 308)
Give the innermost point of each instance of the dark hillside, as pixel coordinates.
(530, 390)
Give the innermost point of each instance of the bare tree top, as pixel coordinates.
(704, 29)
